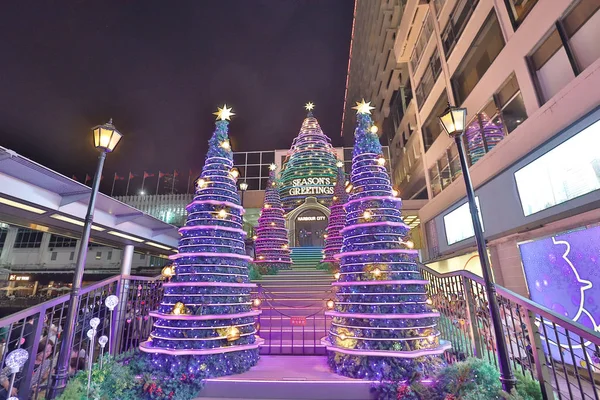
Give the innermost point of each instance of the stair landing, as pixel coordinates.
(287, 377)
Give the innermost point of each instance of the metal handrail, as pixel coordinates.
(127, 326)
(561, 354)
(537, 308)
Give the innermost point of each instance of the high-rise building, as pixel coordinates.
(527, 72)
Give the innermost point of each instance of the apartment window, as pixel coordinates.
(432, 128)
(109, 256)
(582, 29)
(72, 256)
(53, 256)
(61, 241)
(551, 66)
(421, 44)
(482, 135)
(457, 23)
(432, 72)
(434, 178)
(28, 239)
(509, 101)
(569, 170)
(518, 10)
(98, 255)
(483, 51)
(438, 5)
(390, 79)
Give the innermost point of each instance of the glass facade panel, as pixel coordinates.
(483, 51)
(432, 72)
(431, 127)
(570, 170)
(28, 239)
(518, 10)
(457, 23)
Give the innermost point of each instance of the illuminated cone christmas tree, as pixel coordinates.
(272, 246)
(337, 218)
(382, 327)
(205, 324)
(309, 170)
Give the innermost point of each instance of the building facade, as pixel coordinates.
(525, 71)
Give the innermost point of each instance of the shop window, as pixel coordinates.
(582, 30)
(569, 170)
(551, 66)
(61, 241)
(518, 10)
(431, 127)
(142, 256)
(432, 72)
(3, 233)
(98, 255)
(459, 17)
(483, 51)
(28, 239)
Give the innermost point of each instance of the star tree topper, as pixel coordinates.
(309, 106)
(363, 107)
(224, 113)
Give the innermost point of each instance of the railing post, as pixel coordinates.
(120, 314)
(472, 313)
(25, 386)
(539, 357)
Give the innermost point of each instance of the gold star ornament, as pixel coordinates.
(309, 106)
(224, 113)
(363, 107)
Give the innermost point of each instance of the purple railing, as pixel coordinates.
(37, 330)
(288, 329)
(562, 355)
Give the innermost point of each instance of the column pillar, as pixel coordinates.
(120, 313)
(9, 245)
(43, 251)
(127, 259)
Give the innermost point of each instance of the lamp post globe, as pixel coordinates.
(454, 121)
(106, 137)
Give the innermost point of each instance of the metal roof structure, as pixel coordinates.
(34, 196)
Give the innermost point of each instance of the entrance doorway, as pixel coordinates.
(310, 226)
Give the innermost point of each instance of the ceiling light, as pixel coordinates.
(22, 206)
(74, 221)
(124, 236)
(160, 246)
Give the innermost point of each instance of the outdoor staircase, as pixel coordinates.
(293, 305)
(306, 257)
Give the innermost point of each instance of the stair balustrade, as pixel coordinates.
(562, 355)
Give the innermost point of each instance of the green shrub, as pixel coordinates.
(327, 266)
(253, 272)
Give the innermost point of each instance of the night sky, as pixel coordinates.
(159, 69)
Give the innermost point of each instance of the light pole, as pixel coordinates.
(243, 188)
(454, 123)
(106, 138)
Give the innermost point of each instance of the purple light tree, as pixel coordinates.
(382, 326)
(272, 245)
(205, 324)
(333, 241)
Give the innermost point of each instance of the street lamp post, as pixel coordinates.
(106, 138)
(454, 122)
(243, 188)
